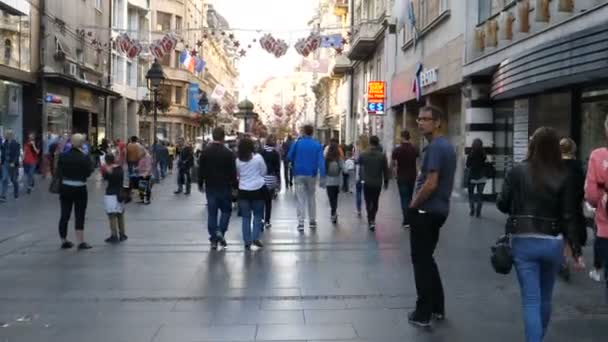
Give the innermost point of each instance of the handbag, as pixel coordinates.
(502, 255)
(489, 170)
(55, 185)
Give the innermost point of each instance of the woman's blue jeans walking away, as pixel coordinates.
(537, 261)
(249, 208)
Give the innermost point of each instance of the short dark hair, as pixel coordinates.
(134, 139)
(405, 134)
(218, 134)
(109, 158)
(374, 140)
(435, 112)
(308, 129)
(245, 149)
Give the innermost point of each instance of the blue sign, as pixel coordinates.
(193, 96)
(375, 108)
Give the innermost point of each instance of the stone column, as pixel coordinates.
(132, 118)
(119, 119)
(479, 123)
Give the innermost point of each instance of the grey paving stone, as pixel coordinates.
(303, 304)
(353, 315)
(189, 333)
(305, 332)
(224, 317)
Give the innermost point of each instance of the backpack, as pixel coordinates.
(333, 169)
(349, 165)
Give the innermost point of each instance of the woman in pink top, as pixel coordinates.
(596, 193)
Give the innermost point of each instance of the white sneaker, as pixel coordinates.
(595, 275)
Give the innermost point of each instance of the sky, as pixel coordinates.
(285, 19)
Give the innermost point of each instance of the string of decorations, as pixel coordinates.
(134, 48)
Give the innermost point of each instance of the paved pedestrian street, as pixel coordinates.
(339, 283)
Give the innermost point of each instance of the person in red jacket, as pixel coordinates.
(30, 161)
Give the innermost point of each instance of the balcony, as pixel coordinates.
(174, 74)
(341, 8)
(365, 40)
(342, 66)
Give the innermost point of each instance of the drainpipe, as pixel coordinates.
(351, 91)
(41, 62)
(109, 118)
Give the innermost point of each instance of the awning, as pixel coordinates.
(72, 82)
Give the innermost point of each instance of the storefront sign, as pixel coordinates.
(428, 77)
(376, 95)
(520, 130)
(84, 99)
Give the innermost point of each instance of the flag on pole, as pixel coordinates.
(200, 64)
(411, 18)
(191, 64)
(416, 86)
(182, 56)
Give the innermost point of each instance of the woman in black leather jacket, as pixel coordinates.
(540, 202)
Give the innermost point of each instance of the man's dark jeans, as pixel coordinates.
(372, 196)
(423, 240)
(406, 189)
(218, 198)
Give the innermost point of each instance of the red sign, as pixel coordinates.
(376, 94)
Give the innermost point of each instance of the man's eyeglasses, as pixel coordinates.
(424, 119)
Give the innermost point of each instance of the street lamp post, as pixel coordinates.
(155, 77)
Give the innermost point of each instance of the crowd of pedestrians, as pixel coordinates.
(542, 196)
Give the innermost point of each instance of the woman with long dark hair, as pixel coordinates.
(541, 206)
(476, 162)
(272, 158)
(251, 170)
(333, 169)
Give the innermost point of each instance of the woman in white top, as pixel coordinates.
(251, 170)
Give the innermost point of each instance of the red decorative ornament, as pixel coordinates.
(242, 53)
(199, 43)
(344, 41)
(249, 46)
(204, 36)
(254, 40)
(339, 50)
(349, 34)
(90, 34)
(231, 36)
(237, 44)
(223, 33)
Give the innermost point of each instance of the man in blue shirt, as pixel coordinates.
(428, 212)
(9, 161)
(306, 156)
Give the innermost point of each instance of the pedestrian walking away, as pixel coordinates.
(576, 176)
(334, 166)
(272, 179)
(362, 145)
(403, 164)
(306, 156)
(144, 173)
(73, 168)
(427, 213)
(30, 161)
(374, 175)
(251, 170)
(10, 152)
(113, 200)
(541, 203)
(596, 194)
(476, 166)
(218, 182)
(184, 164)
(287, 166)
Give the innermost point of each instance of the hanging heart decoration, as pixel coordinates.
(304, 46)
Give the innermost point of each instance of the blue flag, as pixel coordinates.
(200, 64)
(331, 41)
(182, 56)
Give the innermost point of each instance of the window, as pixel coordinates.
(425, 12)
(163, 21)
(178, 23)
(179, 94)
(130, 78)
(118, 68)
(488, 8)
(98, 5)
(80, 56)
(166, 61)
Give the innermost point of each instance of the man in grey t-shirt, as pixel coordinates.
(428, 212)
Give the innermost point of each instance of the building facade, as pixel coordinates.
(75, 66)
(430, 50)
(128, 75)
(535, 63)
(19, 62)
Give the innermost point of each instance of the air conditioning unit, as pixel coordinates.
(72, 70)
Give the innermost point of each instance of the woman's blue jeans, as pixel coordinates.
(537, 262)
(249, 208)
(358, 195)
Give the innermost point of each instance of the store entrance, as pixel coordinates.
(594, 109)
(80, 121)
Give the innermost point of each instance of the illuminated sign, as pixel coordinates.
(376, 95)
